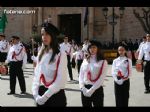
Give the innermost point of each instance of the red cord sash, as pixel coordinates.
(5, 47)
(100, 73)
(14, 54)
(120, 74)
(42, 78)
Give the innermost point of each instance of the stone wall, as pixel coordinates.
(19, 24)
(99, 28)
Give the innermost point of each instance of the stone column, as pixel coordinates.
(40, 16)
(91, 22)
(117, 27)
(27, 26)
(88, 29)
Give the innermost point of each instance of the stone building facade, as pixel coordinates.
(98, 27)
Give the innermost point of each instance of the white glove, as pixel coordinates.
(41, 99)
(84, 90)
(90, 92)
(38, 100)
(33, 58)
(116, 80)
(120, 82)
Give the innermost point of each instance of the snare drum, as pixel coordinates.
(139, 67)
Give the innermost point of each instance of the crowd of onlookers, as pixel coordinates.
(130, 44)
(107, 45)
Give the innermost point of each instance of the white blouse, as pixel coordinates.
(145, 51)
(121, 64)
(20, 52)
(48, 70)
(4, 46)
(79, 55)
(94, 68)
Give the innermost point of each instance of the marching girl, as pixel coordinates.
(121, 71)
(79, 56)
(91, 77)
(50, 71)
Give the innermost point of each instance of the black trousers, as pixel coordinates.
(3, 57)
(69, 67)
(97, 98)
(56, 100)
(79, 62)
(147, 75)
(16, 71)
(122, 94)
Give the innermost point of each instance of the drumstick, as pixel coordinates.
(32, 46)
(34, 64)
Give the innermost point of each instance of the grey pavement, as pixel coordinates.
(137, 96)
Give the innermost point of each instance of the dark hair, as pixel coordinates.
(144, 37)
(100, 54)
(15, 37)
(124, 48)
(2, 35)
(53, 32)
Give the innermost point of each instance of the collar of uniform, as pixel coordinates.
(93, 58)
(122, 57)
(147, 42)
(15, 45)
(65, 43)
(50, 51)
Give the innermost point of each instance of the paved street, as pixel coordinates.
(137, 96)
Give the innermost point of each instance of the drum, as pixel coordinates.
(139, 67)
(3, 70)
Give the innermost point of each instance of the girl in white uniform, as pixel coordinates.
(121, 71)
(79, 56)
(50, 71)
(91, 77)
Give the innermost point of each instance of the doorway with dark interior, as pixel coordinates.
(70, 25)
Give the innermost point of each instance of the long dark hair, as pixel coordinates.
(53, 32)
(100, 54)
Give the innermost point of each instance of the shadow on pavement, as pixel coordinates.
(75, 90)
(26, 76)
(73, 82)
(29, 68)
(2, 78)
(27, 95)
(28, 73)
